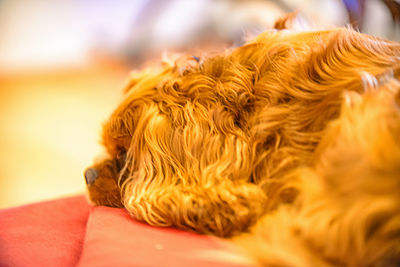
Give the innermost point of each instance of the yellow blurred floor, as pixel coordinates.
(49, 129)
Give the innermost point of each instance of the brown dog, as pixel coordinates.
(213, 146)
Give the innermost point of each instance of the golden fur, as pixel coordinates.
(348, 209)
(278, 131)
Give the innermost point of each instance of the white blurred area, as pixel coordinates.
(48, 33)
(63, 64)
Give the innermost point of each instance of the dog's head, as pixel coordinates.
(205, 145)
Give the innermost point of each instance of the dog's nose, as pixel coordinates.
(91, 175)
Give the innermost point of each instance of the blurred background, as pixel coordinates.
(63, 64)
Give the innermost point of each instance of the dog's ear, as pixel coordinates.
(223, 209)
(188, 178)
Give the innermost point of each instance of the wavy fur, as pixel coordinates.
(348, 209)
(261, 133)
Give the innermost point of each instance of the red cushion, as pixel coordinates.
(59, 233)
(44, 234)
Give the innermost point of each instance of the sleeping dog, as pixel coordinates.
(290, 143)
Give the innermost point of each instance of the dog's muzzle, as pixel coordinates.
(91, 175)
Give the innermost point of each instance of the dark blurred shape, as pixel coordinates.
(355, 9)
(394, 8)
(356, 12)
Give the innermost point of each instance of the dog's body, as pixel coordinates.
(278, 132)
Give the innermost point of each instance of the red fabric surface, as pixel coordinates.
(69, 232)
(117, 240)
(50, 233)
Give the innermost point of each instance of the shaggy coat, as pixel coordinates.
(298, 131)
